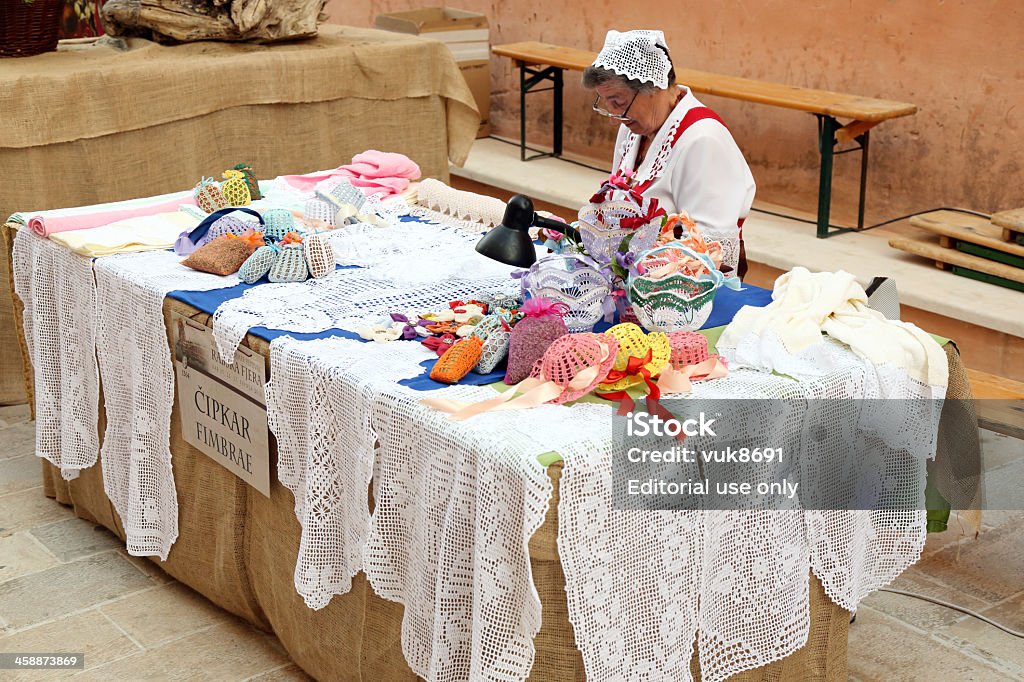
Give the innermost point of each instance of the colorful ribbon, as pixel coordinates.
(531, 392)
(252, 238)
(635, 366)
(539, 306)
(440, 344)
(680, 380)
(713, 273)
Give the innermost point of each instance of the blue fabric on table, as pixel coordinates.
(423, 382)
(727, 302)
(209, 301)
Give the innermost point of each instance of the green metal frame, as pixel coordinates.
(827, 127)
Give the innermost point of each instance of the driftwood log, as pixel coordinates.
(233, 20)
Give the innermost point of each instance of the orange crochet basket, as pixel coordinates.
(29, 28)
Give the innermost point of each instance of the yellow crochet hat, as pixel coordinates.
(634, 345)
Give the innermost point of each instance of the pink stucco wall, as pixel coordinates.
(959, 61)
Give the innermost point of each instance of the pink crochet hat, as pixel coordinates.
(688, 348)
(577, 363)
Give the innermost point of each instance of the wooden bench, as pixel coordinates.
(864, 112)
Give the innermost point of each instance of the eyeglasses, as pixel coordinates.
(598, 109)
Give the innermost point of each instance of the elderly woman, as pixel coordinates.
(676, 149)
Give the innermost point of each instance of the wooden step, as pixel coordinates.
(999, 403)
(962, 227)
(990, 386)
(961, 263)
(1012, 224)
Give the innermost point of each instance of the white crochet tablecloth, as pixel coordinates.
(88, 319)
(456, 503)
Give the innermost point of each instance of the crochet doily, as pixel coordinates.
(85, 319)
(457, 503)
(57, 289)
(409, 267)
(138, 387)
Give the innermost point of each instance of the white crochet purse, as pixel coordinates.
(290, 265)
(258, 264)
(319, 255)
(317, 209)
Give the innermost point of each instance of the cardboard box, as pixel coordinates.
(466, 34)
(430, 20)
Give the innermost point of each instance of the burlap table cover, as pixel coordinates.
(91, 126)
(239, 549)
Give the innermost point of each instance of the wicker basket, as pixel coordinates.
(28, 28)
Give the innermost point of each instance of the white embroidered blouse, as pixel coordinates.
(703, 173)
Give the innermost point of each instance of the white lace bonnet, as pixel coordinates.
(637, 55)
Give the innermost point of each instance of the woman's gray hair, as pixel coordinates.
(594, 76)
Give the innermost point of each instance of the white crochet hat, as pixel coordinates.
(637, 55)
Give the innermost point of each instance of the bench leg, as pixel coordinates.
(863, 140)
(826, 143)
(522, 111)
(556, 117)
(529, 79)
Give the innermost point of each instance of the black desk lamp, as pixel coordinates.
(510, 242)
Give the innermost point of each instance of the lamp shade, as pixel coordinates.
(510, 242)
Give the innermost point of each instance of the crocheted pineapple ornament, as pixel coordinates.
(234, 188)
(250, 180)
(209, 196)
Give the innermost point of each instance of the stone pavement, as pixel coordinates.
(69, 586)
(900, 638)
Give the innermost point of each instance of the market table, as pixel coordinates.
(239, 549)
(245, 551)
(95, 125)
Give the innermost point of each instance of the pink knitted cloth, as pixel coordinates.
(374, 172)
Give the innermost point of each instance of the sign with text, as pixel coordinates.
(223, 410)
